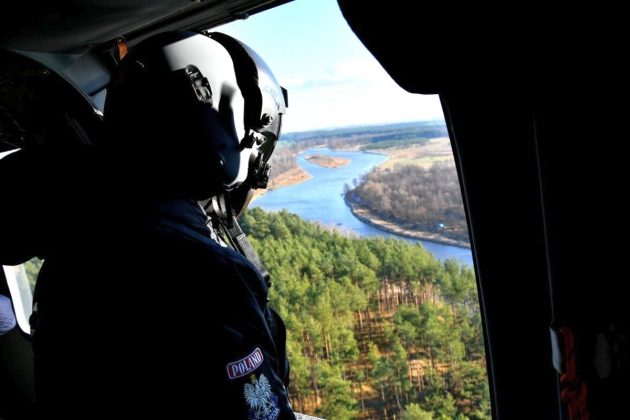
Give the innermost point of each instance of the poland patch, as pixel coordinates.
(246, 365)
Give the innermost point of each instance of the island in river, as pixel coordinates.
(297, 174)
(328, 161)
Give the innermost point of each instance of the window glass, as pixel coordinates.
(363, 231)
(7, 152)
(21, 280)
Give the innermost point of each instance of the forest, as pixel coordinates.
(416, 198)
(377, 328)
(368, 134)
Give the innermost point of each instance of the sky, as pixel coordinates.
(332, 79)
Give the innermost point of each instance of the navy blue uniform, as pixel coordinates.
(7, 318)
(141, 313)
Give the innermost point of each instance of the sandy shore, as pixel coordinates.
(290, 177)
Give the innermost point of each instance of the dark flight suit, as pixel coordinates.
(7, 318)
(140, 313)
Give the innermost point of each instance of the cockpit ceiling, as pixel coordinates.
(75, 25)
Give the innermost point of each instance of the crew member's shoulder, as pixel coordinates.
(232, 260)
(215, 256)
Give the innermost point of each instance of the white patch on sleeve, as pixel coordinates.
(263, 404)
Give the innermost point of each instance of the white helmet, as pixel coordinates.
(202, 112)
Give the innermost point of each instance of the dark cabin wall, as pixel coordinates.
(536, 107)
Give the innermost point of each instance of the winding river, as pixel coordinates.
(320, 199)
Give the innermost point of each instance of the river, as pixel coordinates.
(321, 199)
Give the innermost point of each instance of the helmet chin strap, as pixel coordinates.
(223, 221)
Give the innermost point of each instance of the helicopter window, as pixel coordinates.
(363, 231)
(21, 281)
(7, 152)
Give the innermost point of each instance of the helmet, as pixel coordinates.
(195, 115)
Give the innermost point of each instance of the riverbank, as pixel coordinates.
(366, 216)
(424, 156)
(293, 176)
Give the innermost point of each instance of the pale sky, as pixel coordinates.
(332, 79)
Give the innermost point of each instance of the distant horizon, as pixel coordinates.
(371, 124)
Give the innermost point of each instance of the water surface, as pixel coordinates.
(321, 199)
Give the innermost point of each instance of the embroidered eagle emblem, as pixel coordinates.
(262, 402)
